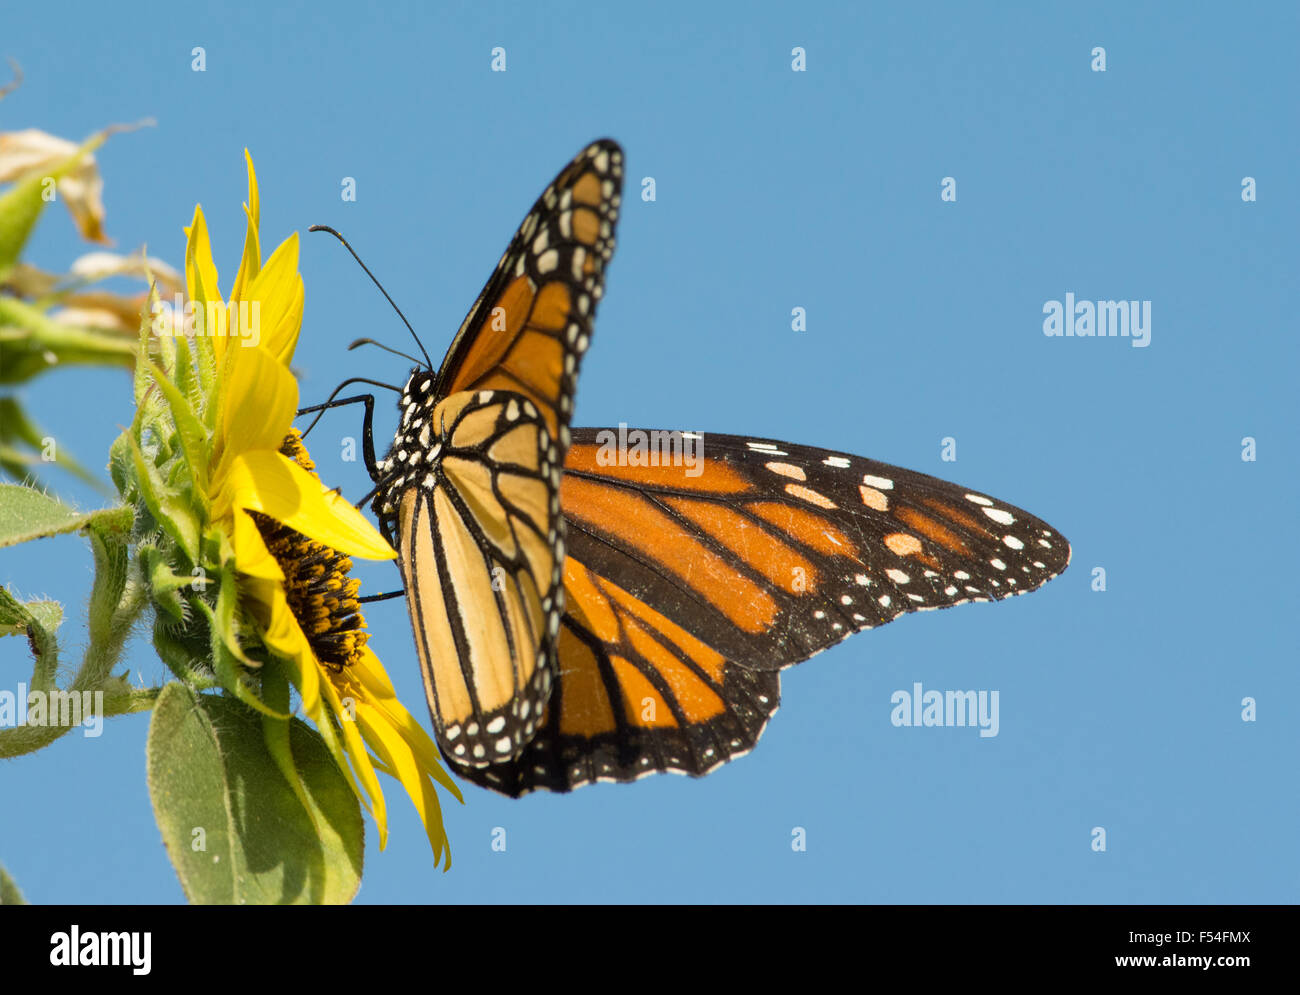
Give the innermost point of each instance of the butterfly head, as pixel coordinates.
(415, 445)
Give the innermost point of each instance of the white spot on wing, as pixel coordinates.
(1000, 516)
(787, 470)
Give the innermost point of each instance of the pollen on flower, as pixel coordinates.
(316, 584)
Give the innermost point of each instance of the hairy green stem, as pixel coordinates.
(115, 606)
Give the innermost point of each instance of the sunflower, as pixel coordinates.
(278, 540)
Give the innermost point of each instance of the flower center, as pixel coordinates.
(316, 584)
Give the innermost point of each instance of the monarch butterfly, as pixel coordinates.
(584, 618)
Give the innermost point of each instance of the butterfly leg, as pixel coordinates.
(368, 450)
(383, 597)
(367, 437)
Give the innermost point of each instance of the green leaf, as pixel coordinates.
(276, 732)
(9, 893)
(18, 433)
(209, 770)
(32, 342)
(26, 514)
(20, 207)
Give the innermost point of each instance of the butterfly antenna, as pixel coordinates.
(427, 361)
(386, 348)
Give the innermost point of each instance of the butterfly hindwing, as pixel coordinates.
(481, 547)
(636, 693)
(699, 581)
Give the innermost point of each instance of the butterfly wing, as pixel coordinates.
(691, 585)
(531, 324)
(470, 485)
(636, 693)
(481, 543)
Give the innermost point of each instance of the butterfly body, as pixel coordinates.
(580, 618)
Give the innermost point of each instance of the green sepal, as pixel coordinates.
(203, 348)
(186, 649)
(168, 510)
(193, 435)
(164, 583)
(227, 654)
(121, 469)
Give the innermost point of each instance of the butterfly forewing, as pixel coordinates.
(532, 322)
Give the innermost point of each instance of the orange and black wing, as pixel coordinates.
(689, 586)
(470, 486)
(481, 543)
(532, 322)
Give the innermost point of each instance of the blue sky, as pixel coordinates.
(777, 189)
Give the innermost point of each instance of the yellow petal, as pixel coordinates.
(251, 555)
(200, 271)
(252, 260)
(282, 633)
(273, 484)
(378, 690)
(253, 205)
(278, 291)
(370, 672)
(258, 400)
(401, 761)
(357, 753)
